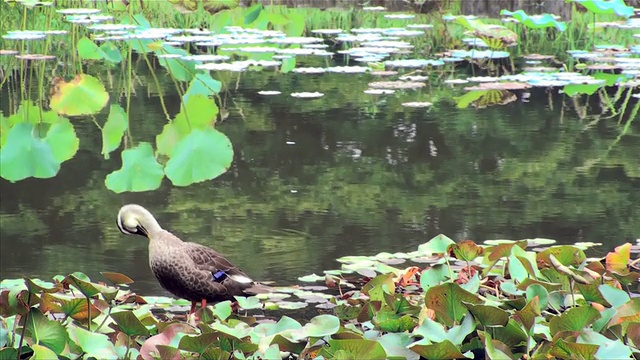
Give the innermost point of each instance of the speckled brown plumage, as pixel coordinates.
(187, 270)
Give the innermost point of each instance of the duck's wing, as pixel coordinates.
(212, 261)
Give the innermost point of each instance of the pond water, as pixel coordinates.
(344, 174)
(348, 173)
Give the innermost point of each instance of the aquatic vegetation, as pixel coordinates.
(499, 299)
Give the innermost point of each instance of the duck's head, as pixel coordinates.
(135, 220)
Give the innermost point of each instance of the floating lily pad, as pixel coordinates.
(307, 95)
(416, 104)
(402, 85)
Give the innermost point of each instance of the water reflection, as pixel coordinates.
(347, 174)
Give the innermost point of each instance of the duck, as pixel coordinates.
(187, 270)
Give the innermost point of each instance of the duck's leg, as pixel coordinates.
(235, 307)
(193, 307)
(203, 304)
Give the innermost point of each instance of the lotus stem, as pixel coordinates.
(24, 327)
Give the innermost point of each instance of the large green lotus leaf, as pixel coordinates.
(319, 326)
(617, 7)
(42, 353)
(512, 335)
(488, 315)
(527, 316)
(202, 155)
(538, 21)
(437, 245)
(198, 112)
(5, 126)
(442, 350)
(89, 289)
(495, 349)
(614, 296)
(110, 52)
(46, 332)
(588, 89)
(93, 344)
(75, 307)
(570, 350)
(88, 50)
(354, 349)
(180, 69)
(30, 113)
(434, 275)
(446, 301)
(575, 319)
(609, 349)
(252, 13)
(248, 303)
(197, 343)
(395, 345)
(496, 36)
(296, 24)
(288, 65)
(202, 84)
(63, 141)
(129, 323)
(26, 155)
(140, 171)
(434, 332)
(84, 95)
(388, 320)
(565, 254)
(113, 130)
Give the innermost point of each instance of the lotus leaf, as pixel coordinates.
(114, 129)
(84, 95)
(536, 21)
(617, 7)
(140, 171)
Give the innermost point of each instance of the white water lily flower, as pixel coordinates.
(348, 69)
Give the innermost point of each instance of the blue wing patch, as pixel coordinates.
(219, 276)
